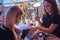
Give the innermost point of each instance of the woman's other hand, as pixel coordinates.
(37, 18)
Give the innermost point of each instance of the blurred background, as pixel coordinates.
(30, 9)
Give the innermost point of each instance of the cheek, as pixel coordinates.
(47, 6)
(48, 9)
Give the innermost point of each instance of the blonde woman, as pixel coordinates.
(12, 17)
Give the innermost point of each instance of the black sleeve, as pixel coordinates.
(56, 19)
(6, 34)
(24, 33)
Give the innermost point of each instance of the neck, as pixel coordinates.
(50, 13)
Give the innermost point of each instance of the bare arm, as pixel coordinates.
(41, 28)
(51, 28)
(14, 32)
(48, 30)
(13, 29)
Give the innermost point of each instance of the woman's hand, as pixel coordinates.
(32, 30)
(37, 18)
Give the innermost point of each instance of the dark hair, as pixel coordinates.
(54, 6)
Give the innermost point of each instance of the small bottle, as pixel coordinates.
(33, 18)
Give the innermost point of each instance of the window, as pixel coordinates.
(12, 2)
(9, 3)
(0, 0)
(40, 0)
(59, 1)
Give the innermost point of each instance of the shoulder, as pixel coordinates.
(56, 19)
(56, 16)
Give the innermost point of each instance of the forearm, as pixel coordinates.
(39, 22)
(38, 28)
(32, 30)
(47, 30)
(41, 28)
(51, 28)
(17, 30)
(15, 35)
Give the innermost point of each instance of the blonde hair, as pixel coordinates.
(12, 13)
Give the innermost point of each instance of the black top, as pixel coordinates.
(6, 34)
(48, 19)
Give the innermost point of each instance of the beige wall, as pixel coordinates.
(40, 11)
(5, 9)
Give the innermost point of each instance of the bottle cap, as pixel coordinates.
(33, 14)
